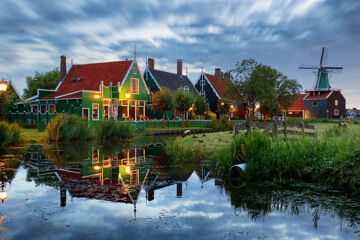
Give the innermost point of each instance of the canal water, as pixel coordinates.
(133, 192)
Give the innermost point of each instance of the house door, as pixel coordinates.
(86, 113)
(106, 112)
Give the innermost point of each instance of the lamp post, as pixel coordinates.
(3, 88)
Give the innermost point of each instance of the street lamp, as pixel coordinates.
(3, 88)
(3, 193)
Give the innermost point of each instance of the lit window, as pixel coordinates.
(336, 102)
(34, 109)
(124, 102)
(95, 111)
(95, 155)
(336, 112)
(51, 108)
(315, 103)
(134, 86)
(186, 89)
(134, 178)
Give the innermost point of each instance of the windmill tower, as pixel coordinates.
(322, 74)
(322, 101)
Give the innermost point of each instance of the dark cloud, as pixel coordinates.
(205, 34)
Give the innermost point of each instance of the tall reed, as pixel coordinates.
(9, 134)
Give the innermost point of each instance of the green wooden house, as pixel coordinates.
(96, 91)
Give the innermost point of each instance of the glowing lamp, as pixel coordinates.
(3, 195)
(97, 96)
(222, 103)
(231, 106)
(257, 106)
(97, 168)
(3, 86)
(127, 95)
(127, 169)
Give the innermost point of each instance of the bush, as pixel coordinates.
(210, 115)
(9, 134)
(222, 125)
(110, 130)
(68, 128)
(187, 124)
(178, 151)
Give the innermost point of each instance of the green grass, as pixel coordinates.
(171, 128)
(32, 135)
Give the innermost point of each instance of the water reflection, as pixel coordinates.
(81, 190)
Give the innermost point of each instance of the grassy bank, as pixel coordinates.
(331, 158)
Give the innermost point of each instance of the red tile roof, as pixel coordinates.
(299, 103)
(322, 95)
(71, 95)
(91, 75)
(220, 84)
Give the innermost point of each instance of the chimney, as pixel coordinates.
(62, 67)
(218, 72)
(151, 63)
(179, 67)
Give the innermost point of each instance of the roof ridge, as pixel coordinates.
(103, 62)
(169, 73)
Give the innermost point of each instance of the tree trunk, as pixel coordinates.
(183, 119)
(163, 120)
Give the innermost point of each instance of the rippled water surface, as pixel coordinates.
(132, 191)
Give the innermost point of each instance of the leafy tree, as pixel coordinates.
(47, 80)
(184, 101)
(223, 107)
(201, 105)
(228, 74)
(163, 100)
(262, 84)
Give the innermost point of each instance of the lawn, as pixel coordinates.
(171, 128)
(32, 135)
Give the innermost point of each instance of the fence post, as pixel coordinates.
(24, 117)
(302, 128)
(17, 116)
(47, 117)
(32, 117)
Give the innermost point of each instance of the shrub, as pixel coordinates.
(210, 115)
(29, 125)
(110, 130)
(68, 128)
(9, 134)
(178, 151)
(187, 124)
(222, 125)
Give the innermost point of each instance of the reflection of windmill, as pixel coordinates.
(322, 74)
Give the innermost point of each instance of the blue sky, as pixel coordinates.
(208, 34)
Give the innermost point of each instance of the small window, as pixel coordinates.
(133, 103)
(134, 86)
(315, 103)
(43, 109)
(34, 109)
(134, 178)
(134, 70)
(142, 103)
(202, 82)
(124, 102)
(186, 89)
(95, 155)
(336, 112)
(95, 111)
(51, 108)
(336, 102)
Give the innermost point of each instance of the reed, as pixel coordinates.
(111, 131)
(9, 134)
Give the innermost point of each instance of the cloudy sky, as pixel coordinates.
(208, 34)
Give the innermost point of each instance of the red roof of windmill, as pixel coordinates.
(221, 84)
(89, 76)
(314, 95)
(298, 103)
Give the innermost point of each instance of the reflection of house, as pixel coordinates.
(215, 87)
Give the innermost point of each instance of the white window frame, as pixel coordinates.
(95, 160)
(92, 112)
(131, 86)
(336, 112)
(186, 89)
(336, 102)
(202, 82)
(54, 108)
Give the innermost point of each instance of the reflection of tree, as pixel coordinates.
(259, 200)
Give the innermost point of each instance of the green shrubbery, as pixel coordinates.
(321, 120)
(110, 131)
(68, 128)
(333, 159)
(222, 125)
(176, 150)
(9, 134)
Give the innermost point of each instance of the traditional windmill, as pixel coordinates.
(323, 101)
(322, 79)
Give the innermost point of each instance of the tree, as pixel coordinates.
(201, 105)
(223, 107)
(262, 84)
(183, 101)
(228, 74)
(47, 80)
(163, 100)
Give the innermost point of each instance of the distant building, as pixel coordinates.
(214, 88)
(297, 108)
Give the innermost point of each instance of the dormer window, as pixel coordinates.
(79, 79)
(336, 102)
(186, 89)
